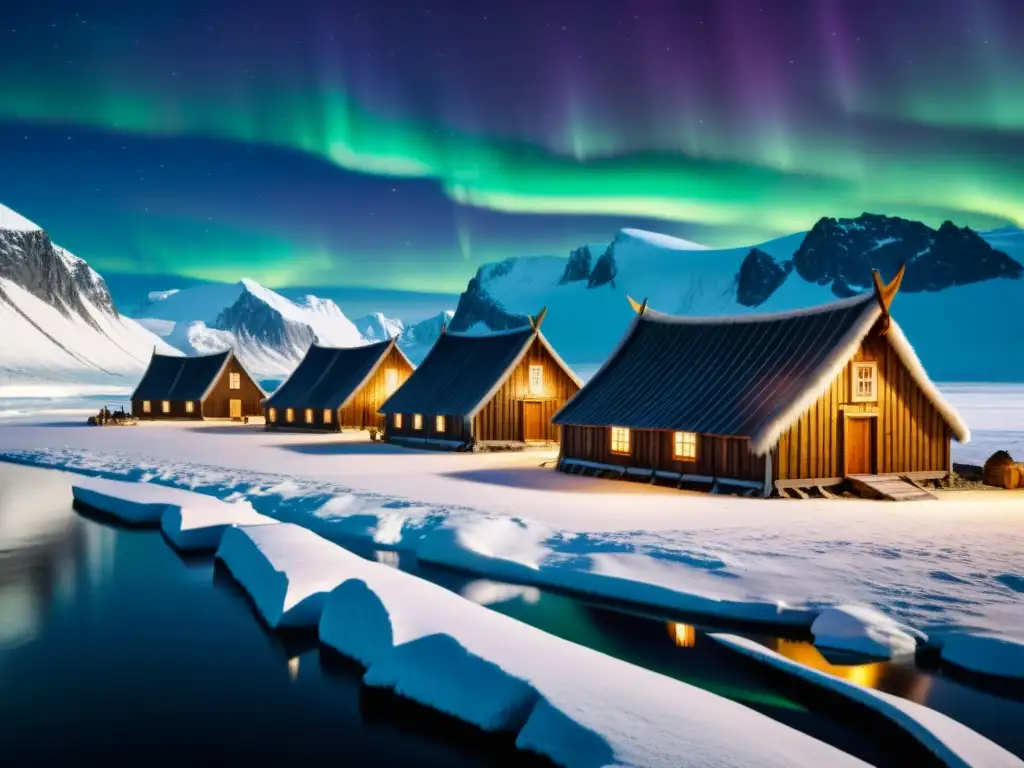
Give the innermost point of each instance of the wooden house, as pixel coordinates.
(335, 388)
(479, 390)
(800, 399)
(204, 387)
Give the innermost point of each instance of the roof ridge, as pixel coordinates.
(652, 315)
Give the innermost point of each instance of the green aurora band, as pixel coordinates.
(773, 185)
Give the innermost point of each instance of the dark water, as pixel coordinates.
(113, 647)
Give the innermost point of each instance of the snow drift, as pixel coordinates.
(863, 630)
(985, 654)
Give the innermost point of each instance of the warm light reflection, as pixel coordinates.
(868, 675)
(293, 667)
(684, 635)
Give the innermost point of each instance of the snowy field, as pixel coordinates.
(932, 565)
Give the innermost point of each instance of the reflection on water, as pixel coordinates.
(684, 635)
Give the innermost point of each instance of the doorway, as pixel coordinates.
(236, 408)
(859, 445)
(533, 420)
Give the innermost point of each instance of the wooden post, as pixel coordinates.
(637, 307)
(536, 321)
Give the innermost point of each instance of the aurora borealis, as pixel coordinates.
(398, 145)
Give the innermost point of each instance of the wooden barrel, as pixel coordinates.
(1012, 476)
(995, 468)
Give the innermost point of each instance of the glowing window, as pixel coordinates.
(309, 415)
(620, 440)
(684, 445)
(146, 406)
(327, 416)
(390, 380)
(235, 381)
(289, 415)
(865, 382)
(397, 421)
(190, 407)
(536, 379)
(272, 414)
(417, 421)
(165, 406)
(439, 423)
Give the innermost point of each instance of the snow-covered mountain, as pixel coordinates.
(269, 332)
(378, 327)
(960, 302)
(415, 339)
(59, 329)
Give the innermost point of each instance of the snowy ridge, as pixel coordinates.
(268, 332)
(59, 329)
(14, 221)
(377, 327)
(588, 310)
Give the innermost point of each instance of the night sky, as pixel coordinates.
(398, 145)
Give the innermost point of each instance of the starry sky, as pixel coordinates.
(395, 145)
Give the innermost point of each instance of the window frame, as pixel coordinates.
(396, 420)
(440, 424)
(328, 416)
(539, 388)
(272, 415)
(417, 421)
(234, 380)
(679, 443)
(855, 380)
(308, 415)
(628, 441)
(165, 406)
(289, 415)
(190, 406)
(147, 406)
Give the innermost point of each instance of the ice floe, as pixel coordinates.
(956, 745)
(863, 630)
(985, 653)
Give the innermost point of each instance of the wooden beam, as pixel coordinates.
(637, 307)
(539, 318)
(884, 294)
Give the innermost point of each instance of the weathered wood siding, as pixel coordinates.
(177, 410)
(216, 405)
(361, 410)
(910, 435)
(717, 457)
(502, 417)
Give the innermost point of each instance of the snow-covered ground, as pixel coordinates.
(932, 565)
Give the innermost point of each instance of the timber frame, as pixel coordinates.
(777, 402)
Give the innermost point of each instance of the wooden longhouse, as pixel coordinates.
(475, 391)
(770, 402)
(213, 386)
(335, 388)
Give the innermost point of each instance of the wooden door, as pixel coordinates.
(859, 446)
(533, 421)
(236, 408)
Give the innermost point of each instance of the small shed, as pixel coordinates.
(791, 399)
(335, 388)
(213, 386)
(481, 390)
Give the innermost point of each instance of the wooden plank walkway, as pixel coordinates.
(890, 487)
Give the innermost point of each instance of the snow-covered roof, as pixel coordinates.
(745, 375)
